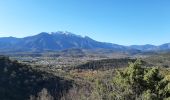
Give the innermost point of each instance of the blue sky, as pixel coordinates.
(123, 22)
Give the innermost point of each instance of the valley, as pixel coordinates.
(84, 50)
(87, 70)
(83, 69)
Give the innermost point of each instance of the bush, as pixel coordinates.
(137, 82)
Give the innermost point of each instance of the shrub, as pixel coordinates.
(137, 82)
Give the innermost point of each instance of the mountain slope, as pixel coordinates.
(53, 41)
(66, 40)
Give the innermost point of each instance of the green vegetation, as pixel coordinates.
(103, 79)
(105, 64)
(135, 83)
(21, 82)
(161, 59)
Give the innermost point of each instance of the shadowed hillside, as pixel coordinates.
(21, 82)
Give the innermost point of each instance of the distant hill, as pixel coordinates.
(146, 47)
(65, 40)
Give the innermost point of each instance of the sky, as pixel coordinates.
(125, 22)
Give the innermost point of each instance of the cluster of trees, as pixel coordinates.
(105, 64)
(135, 83)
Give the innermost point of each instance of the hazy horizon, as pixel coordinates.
(132, 22)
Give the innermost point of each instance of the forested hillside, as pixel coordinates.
(21, 82)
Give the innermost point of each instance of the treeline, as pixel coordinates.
(105, 64)
(134, 83)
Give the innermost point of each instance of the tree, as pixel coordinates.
(137, 82)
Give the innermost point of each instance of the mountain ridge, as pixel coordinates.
(55, 41)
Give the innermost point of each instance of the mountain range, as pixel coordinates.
(55, 41)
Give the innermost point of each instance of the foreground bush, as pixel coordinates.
(135, 83)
